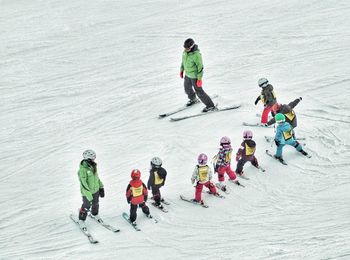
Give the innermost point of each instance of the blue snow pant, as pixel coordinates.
(291, 142)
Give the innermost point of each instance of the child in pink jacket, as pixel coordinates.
(223, 163)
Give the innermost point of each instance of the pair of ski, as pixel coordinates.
(280, 159)
(85, 230)
(134, 225)
(217, 109)
(202, 203)
(161, 206)
(242, 176)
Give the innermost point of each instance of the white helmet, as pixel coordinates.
(89, 154)
(263, 82)
(156, 161)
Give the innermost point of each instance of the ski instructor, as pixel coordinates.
(91, 186)
(192, 65)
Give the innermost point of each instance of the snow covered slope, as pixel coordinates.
(82, 74)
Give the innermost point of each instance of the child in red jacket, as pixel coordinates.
(136, 195)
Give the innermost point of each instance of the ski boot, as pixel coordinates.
(192, 102)
(207, 109)
(304, 153)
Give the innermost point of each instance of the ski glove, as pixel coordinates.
(257, 100)
(300, 98)
(277, 142)
(181, 74)
(102, 192)
(199, 83)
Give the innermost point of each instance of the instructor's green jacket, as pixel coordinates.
(192, 63)
(90, 183)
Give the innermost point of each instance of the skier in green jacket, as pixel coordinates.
(192, 65)
(91, 187)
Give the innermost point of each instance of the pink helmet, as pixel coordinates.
(202, 159)
(225, 140)
(247, 135)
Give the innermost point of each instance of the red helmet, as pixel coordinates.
(135, 174)
(275, 107)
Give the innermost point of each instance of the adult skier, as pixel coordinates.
(156, 180)
(192, 71)
(91, 187)
(267, 97)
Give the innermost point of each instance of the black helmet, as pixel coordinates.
(188, 43)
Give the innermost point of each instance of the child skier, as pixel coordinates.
(91, 187)
(246, 152)
(202, 174)
(223, 163)
(284, 135)
(136, 195)
(268, 98)
(157, 176)
(287, 111)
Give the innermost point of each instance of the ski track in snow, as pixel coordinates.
(77, 75)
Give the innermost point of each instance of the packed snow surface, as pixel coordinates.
(96, 74)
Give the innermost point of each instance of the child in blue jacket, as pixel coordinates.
(285, 135)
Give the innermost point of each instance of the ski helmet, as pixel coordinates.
(280, 118)
(263, 82)
(135, 174)
(202, 159)
(225, 140)
(247, 135)
(188, 44)
(89, 154)
(156, 162)
(275, 107)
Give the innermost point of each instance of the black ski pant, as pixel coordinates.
(242, 162)
(191, 84)
(94, 205)
(133, 210)
(156, 194)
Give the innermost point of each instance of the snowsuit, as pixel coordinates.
(90, 186)
(268, 98)
(203, 175)
(223, 163)
(157, 176)
(192, 64)
(284, 135)
(287, 110)
(246, 153)
(136, 195)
